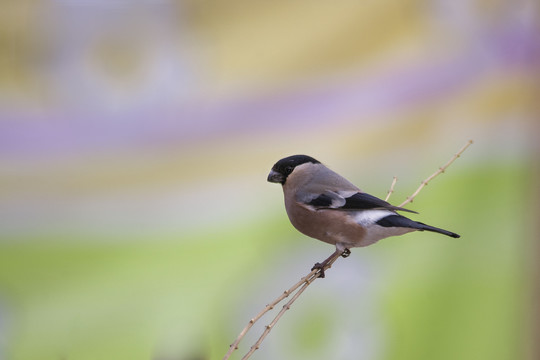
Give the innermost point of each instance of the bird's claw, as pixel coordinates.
(320, 267)
(345, 253)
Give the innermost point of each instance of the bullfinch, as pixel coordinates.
(324, 205)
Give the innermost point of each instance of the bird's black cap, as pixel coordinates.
(282, 169)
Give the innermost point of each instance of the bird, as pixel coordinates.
(325, 206)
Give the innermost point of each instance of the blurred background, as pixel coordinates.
(135, 140)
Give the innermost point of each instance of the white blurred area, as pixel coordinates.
(116, 55)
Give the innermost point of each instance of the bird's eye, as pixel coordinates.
(289, 169)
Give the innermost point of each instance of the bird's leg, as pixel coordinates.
(335, 254)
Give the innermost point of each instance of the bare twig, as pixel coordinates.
(267, 308)
(307, 280)
(269, 327)
(432, 176)
(287, 306)
(391, 190)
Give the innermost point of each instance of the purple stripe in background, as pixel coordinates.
(358, 97)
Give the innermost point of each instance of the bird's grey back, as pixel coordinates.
(324, 180)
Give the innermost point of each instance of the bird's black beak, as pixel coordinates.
(276, 177)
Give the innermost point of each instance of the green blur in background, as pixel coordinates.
(135, 140)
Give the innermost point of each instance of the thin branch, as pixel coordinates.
(439, 171)
(391, 189)
(307, 280)
(270, 326)
(267, 308)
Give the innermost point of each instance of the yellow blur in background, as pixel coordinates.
(135, 139)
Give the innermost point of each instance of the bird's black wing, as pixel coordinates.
(325, 200)
(357, 201)
(363, 201)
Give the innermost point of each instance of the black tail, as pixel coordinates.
(422, 226)
(402, 221)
